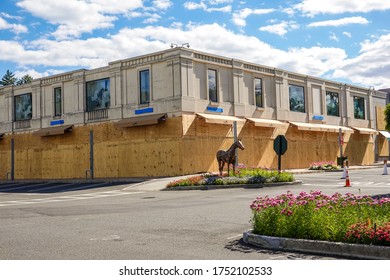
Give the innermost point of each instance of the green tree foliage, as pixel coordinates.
(387, 117)
(26, 79)
(8, 79)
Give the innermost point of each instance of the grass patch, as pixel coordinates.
(316, 216)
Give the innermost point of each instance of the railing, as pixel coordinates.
(97, 114)
(22, 124)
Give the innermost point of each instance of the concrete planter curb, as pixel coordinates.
(339, 249)
(232, 186)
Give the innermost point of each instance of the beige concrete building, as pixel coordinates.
(168, 113)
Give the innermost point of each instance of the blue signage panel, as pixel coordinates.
(215, 109)
(143, 111)
(318, 118)
(57, 122)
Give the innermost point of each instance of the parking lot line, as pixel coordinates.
(65, 198)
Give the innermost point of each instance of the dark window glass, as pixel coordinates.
(332, 104)
(144, 81)
(23, 107)
(297, 98)
(98, 94)
(212, 80)
(358, 106)
(57, 102)
(259, 92)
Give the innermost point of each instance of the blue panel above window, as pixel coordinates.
(143, 111)
(215, 109)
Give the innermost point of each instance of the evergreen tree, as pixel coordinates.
(26, 79)
(8, 79)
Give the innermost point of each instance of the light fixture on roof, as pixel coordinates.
(173, 45)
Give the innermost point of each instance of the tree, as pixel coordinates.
(26, 79)
(387, 117)
(8, 79)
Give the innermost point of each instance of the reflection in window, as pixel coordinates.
(258, 92)
(358, 107)
(297, 98)
(332, 103)
(212, 79)
(57, 102)
(98, 94)
(144, 81)
(23, 107)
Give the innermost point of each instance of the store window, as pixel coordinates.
(57, 102)
(259, 92)
(144, 81)
(23, 107)
(98, 94)
(297, 98)
(212, 84)
(358, 107)
(332, 104)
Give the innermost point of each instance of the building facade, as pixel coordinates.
(168, 113)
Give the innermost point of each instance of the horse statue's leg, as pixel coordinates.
(220, 165)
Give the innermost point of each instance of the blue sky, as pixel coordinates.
(341, 40)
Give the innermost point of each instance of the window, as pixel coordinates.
(144, 81)
(23, 107)
(98, 94)
(57, 102)
(358, 107)
(332, 104)
(297, 98)
(258, 92)
(212, 80)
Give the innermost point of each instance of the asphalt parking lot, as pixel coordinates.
(55, 187)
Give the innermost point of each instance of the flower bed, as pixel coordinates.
(316, 216)
(243, 176)
(323, 165)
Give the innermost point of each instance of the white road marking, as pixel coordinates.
(65, 198)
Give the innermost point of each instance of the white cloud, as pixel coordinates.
(14, 28)
(314, 7)
(370, 67)
(75, 17)
(216, 2)
(203, 6)
(347, 34)
(239, 17)
(162, 4)
(333, 37)
(339, 22)
(152, 18)
(281, 28)
(195, 6)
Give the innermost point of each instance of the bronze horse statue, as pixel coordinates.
(229, 156)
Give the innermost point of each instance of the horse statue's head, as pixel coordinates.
(239, 144)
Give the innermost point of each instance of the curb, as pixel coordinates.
(335, 249)
(232, 186)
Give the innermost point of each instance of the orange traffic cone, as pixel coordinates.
(347, 182)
